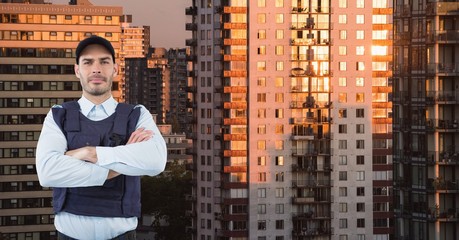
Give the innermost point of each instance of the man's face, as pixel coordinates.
(96, 70)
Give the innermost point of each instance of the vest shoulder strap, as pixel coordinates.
(123, 111)
(67, 116)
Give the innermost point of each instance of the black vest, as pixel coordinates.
(119, 196)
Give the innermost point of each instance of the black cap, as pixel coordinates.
(94, 40)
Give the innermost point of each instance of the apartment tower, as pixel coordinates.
(291, 119)
(37, 57)
(426, 107)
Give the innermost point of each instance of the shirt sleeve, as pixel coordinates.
(55, 169)
(137, 159)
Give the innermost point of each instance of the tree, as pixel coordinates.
(163, 197)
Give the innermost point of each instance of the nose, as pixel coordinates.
(96, 68)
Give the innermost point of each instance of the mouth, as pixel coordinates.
(97, 79)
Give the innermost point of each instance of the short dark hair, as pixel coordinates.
(94, 40)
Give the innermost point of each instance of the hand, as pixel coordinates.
(112, 174)
(140, 135)
(88, 154)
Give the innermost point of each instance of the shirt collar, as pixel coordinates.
(86, 106)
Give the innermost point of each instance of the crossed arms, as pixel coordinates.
(144, 154)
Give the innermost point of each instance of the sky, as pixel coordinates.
(166, 18)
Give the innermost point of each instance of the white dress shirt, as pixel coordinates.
(55, 169)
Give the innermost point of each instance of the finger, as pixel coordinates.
(134, 135)
(140, 137)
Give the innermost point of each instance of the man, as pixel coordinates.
(93, 151)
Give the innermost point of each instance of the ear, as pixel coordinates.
(77, 70)
(115, 69)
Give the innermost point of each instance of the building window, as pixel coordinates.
(261, 66)
(342, 4)
(262, 51)
(279, 208)
(359, 81)
(360, 207)
(279, 18)
(279, 145)
(262, 177)
(360, 3)
(342, 97)
(261, 82)
(261, 145)
(342, 144)
(262, 161)
(261, 34)
(280, 177)
(343, 223)
(360, 191)
(279, 66)
(261, 129)
(360, 128)
(279, 34)
(279, 82)
(360, 144)
(342, 128)
(261, 18)
(261, 193)
(360, 176)
(360, 66)
(261, 97)
(360, 19)
(261, 225)
(343, 191)
(360, 159)
(343, 34)
(342, 113)
(343, 207)
(261, 208)
(279, 97)
(342, 19)
(342, 160)
(360, 50)
(262, 113)
(279, 224)
(359, 112)
(279, 192)
(342, 50)
(279, 161)
(360, 223)
(342, 175)
(279, 3)
(279, 113)
(342, 66)
(342, 81)
(279, 50)
(360, 34)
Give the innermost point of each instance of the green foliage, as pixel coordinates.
(163, 197)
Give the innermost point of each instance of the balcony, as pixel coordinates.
(312, 183)
(311, 168)
(443, 69)
(442, 8)
(310, 232)
(191, 42)
(192, 11)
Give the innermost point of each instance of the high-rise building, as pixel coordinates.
(159, 82)
(37, 57)
(177, 114)
(292, 120)
(426, 132)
